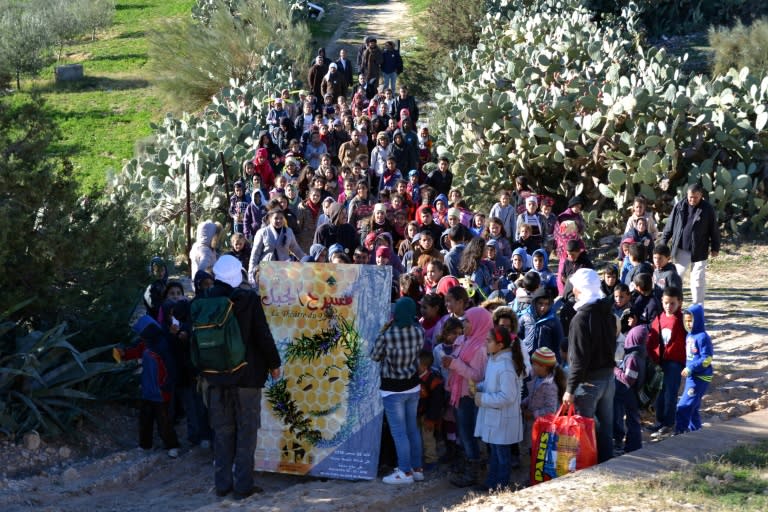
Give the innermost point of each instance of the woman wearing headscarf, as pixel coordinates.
(273, 242)
(397, 349)
(467, 365)
(333, 83)
(591, 349)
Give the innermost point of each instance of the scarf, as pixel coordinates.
(481, 321)
(314, 208)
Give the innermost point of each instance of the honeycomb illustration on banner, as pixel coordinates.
(315, 417)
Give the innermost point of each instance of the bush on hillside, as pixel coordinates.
(193, 60)
(579, 107)
(81, 259)
(740, 47)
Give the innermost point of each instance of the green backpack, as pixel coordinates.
(651, 385)
(217, 347)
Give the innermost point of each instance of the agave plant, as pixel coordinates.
(42, 376)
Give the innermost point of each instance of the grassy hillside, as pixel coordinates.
(103, 116)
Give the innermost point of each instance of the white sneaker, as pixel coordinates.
(398, 477)
(173, 453)
(418, 475)
(205, 444)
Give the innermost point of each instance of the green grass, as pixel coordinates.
(738, 478)
(103, 116)
(418, 6)
(323, 30)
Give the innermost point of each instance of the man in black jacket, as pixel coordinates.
(235, 400)
(591, 348)
(692, 234)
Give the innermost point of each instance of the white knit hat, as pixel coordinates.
(228, 269)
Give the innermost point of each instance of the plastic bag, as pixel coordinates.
(561, 444)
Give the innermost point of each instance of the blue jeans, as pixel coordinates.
(687, 415)
(499, 466)
(400, 409)
(235, 417)
(466, 416)
(594, 399)
(388, 80)
(197, 414)
(666, 402)
(626, 418)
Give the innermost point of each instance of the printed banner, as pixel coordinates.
(323, 417)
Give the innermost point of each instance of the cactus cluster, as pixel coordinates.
(581, 107)
(154, 181)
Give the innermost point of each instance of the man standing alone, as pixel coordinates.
(692, 235)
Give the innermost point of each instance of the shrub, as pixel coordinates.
(740, 47)
(192, 60)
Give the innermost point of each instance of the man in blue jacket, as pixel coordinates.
(692, 234)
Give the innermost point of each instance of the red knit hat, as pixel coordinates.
(545, 357)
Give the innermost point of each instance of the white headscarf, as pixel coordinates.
(587, 282)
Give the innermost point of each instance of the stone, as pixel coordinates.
(69, 73)
(70, 475)
(729, 478)
(65, 452)
(31, 441)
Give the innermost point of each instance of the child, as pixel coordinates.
(630, 376)
(414, 189)
(533, 219)
(524, 294)
(432, 310)
(621, 298)
(541, 265)
(526, 240)
(504, 210)
(645, 305)
(157, 381)
(550, 219)
(540, 327)
(153, 294)
(494, 230)
(430, 409)
(545, 388)
(520, 265)
(610, 278)
(697, 372)
(665, 272)
(478, 224)
(666, 346)
(626, 265)
(640, 210)
(241, 249)
(499, 422)
(641, 236)
(238, 202)
(639, 265)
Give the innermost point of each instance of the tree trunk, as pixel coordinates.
(18, 80)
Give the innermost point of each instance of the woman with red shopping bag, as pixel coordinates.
(591, 348)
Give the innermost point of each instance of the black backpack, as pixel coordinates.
(650, 387)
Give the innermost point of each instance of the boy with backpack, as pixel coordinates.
(234, 351)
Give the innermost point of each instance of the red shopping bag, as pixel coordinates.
(561, 444)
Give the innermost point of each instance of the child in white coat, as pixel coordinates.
(499, 422)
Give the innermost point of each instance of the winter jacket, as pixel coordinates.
(548, 278)
(254, 214)
(591, 344)
(371, 63)
(379, 155)
(439, 181)
(158, 374)
(202, 256)
(349, 151)
(508, 216)
(431, 397)
(452, 259)
(666, 341)
(646, 307)
(307, 225)
(664, 277)
(542, 396)
(705, 234)
(631, 370)
(272, 245)
(409, 102)
(498, 418)
(544, 331)
(698, 347)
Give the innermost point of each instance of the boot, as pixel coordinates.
(469, 476)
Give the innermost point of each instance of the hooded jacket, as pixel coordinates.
(698, 347)
(498, 419)
(591, 344)
(337, 231)
(264, 169)
(202, 256)
(548, 278)
(541, 331)
(631, 370)
(153, 294)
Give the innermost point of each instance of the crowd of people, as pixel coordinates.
(484, 337)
